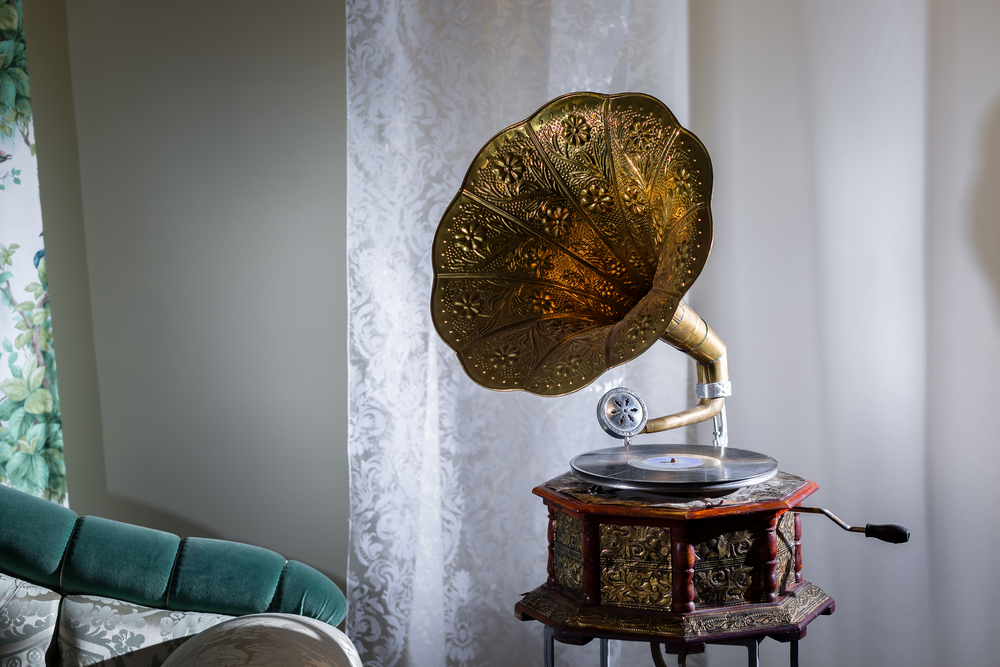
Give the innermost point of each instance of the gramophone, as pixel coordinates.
(567, 252)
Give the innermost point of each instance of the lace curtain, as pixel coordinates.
(854, 279)
(446, 534)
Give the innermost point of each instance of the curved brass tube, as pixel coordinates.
(690, 334)
(706, 409)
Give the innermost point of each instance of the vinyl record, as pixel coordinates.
(675, 469)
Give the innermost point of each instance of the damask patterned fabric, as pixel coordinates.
(446, 534)
(103, 631)
(277, 640)
(27, 622)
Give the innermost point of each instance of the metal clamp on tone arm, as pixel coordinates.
(714, 389)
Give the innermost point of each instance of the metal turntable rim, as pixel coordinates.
(723, 469)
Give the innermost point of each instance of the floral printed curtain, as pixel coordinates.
(446, 534)
(31, 457)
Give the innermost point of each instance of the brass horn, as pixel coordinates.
(570, 246)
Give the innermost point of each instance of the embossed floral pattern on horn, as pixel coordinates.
(578, 231)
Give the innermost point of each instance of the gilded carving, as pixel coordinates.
(788, 611)
(786, 530)
(592, 618)
(567, 554)
(636, 585)
(724, 547)
(569, 571)
(569, 532)
(546, 605)
(791, 609)
(724, 571)
(707, 625)
(635, 543)
(786, 551)
(723, 586)
(635, 566)
(777, 487)
(803, 602)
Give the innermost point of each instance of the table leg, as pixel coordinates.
(657, 654)
(605, 653)
(793, 651)
(753, 649)
(658, 660)
(548, 647)
(753, 653)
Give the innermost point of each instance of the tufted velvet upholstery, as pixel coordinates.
(50, 545)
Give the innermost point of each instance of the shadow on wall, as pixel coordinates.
(134, 511)
(58, 170)
(88, 490)
(91, 492)
(986, 208)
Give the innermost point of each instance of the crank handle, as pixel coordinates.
(887, 532)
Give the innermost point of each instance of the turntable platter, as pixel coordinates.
(675, 469)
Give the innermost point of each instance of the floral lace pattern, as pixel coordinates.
(445, 533)
(95, 630)
(27, 622)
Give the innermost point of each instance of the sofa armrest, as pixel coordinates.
(280, 640)
(50, 545)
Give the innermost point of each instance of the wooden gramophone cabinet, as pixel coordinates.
(680, 573)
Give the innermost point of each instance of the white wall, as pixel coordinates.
(963, 324)
(198, 281)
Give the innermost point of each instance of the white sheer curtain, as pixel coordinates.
(855, 280)
(446, 533)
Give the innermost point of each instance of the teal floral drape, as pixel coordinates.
(31, 447)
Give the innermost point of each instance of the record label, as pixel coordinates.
(668, 462)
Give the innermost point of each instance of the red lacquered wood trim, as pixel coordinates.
(770, 567)
(550, 568)
(798, 548)
(591, 548)
(683, 574)
(794, 498)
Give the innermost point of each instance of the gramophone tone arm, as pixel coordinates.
(690, 334)
(706, 409)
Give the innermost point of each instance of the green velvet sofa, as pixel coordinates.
(81, 591)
